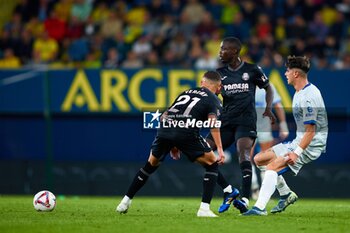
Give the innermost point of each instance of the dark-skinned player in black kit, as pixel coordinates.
(239, 81)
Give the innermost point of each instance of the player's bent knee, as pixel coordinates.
(277, 164)
(257, 159)
(210, 157)
(207, 158)
(271, 167)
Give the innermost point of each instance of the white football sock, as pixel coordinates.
(268, 187)
(282, 186)
(228, 189)
(204, 206)
(255, 183)
(262, 172)
(262, 168)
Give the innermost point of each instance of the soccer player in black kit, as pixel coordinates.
(196, 105)
(239, 81)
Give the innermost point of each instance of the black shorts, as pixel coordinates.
(192, 148)
(231, 133)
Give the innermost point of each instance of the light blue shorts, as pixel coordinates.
(307, 156)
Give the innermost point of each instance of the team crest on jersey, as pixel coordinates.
(245, 76)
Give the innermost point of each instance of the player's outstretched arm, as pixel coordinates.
(268, 110)
(310, 131)
(305, 141)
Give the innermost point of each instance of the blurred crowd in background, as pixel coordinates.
(133, 34)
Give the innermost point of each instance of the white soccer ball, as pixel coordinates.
(44, 201)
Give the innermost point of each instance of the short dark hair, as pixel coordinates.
(234, 41)
(302, 63)
(212, 76)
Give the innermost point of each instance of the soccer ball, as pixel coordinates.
(44, 201)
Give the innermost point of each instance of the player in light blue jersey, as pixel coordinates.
(266, 140)
(312, 130)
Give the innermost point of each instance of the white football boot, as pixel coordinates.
(205, 213)
(123, 207)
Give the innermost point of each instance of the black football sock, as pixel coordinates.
(209, 182)
(246, 169)
(140, 179)
(222, 181)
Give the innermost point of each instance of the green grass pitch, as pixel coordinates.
(177, 215)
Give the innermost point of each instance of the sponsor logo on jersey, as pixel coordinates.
(297, 112)
(223, 78)
(236, 88)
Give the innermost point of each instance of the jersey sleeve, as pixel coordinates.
(309, 111)
(214, 106)
(261, 80)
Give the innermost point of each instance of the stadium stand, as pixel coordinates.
(86, 33)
